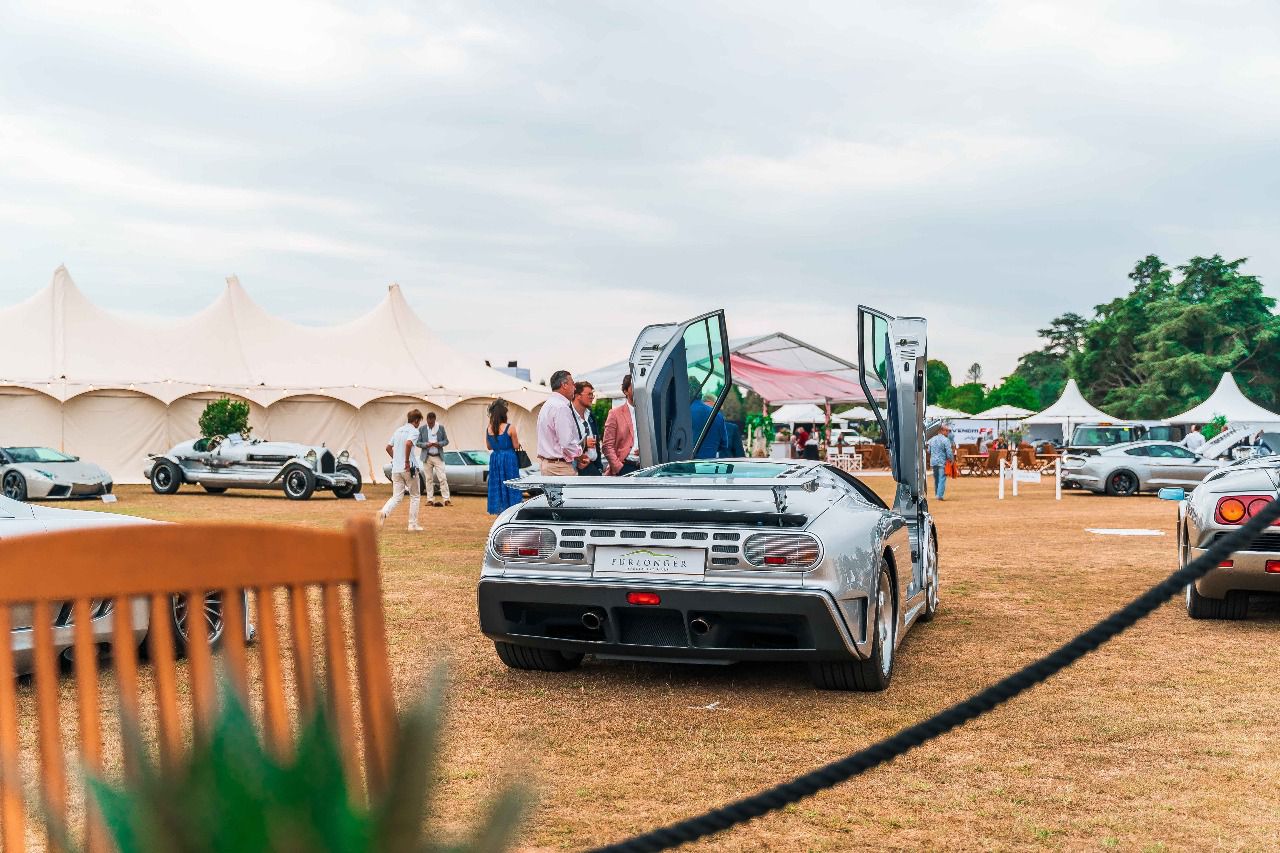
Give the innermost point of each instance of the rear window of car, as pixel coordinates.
(1137, 451)
(713, 468)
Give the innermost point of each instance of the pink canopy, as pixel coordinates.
(779, 385)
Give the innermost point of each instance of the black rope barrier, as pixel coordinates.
(841, 770)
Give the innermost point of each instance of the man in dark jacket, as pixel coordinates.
(584, 396)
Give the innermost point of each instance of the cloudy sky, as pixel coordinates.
(545, 178)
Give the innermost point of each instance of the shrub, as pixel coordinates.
(225, 416)
(1215, 426)
(231, 794)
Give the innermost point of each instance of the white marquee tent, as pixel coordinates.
(111, 388)
(1228, 400)
(1069, 409)
(799, 413)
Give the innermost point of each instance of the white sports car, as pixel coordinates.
(28, 473)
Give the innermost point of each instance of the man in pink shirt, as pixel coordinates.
(559, 442)
(620, 446)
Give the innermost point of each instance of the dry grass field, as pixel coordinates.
(1165, 740)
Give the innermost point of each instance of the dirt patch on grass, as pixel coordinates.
(1166, 739)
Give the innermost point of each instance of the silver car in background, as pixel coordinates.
(235, 462)
(42, 473)
(1139, 466)
(467, 470)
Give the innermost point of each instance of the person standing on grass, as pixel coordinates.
(941, 451)
(559, 446)
(404, 470)
(432, 438)
(503, 464)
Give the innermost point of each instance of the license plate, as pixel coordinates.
(650, 561)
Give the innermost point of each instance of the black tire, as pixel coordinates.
(1122, 483)
(875, 672)
(15, 486)
(540, 660)
(1234, 606)
(215, 490)
(299, 483)
(213, 619)
(349, 491)
(165, 477)
(932, 600)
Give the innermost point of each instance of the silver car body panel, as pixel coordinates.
(1155, 464)
(20, 519)
(1198, 528)
(467, 476)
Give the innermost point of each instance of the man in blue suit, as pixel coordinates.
(717, 441)
(733, 431)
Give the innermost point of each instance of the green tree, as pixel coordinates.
(973, 374)
(1162, 348)
(1014, 391)
(223, 417)
(969, 397)
(938, 380)
(1047, 369)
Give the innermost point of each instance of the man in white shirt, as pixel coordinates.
(404, 470)
(559, 444)
(432, 438)
(1194, 440)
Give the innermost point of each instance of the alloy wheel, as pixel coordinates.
(13, 486)
(884, 622)
(212, 612)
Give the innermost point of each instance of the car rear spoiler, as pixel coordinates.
(555, 487)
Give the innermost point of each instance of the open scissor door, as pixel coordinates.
(675, 368)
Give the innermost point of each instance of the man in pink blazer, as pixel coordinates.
(620, 447)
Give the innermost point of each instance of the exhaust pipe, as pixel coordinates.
(591, 620)
(699, 626)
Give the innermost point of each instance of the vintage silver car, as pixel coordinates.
(723, 560)
(20, 519)
(235, 462)
(467, 470)
(39, 473)
(1146, 466)
(1226, 499)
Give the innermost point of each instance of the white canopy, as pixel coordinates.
(1071, 407)
(799, 413)
(112, 388)
(941, 413)
(1002, 413)
(857, 413)
(1228, 400)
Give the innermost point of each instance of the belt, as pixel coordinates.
(551, 459)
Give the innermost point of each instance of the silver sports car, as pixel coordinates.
(722, 560)
(1225, 500)
(20, 519)
(235, 462)
(35, 473)
(467, 470)
(1146, 466)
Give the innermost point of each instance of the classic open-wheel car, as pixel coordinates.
(235, 462)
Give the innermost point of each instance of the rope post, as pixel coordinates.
(1002, 479)
(1057, 479)
(1015, 473)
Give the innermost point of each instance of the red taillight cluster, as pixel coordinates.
(782, 550)
(644, 598)
(1237, 509)
(525, 542)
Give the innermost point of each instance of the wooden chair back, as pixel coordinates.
(153, 563)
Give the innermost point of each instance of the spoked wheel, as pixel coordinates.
(299, 483)
(15, 486)
(165, 478)
(1122, 483)
(211, 612)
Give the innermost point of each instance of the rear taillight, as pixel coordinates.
(782, 550)
(644, 598)
(1273, 567)
(1237, 509)
(529, 543)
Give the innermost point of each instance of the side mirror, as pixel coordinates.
(1172, 494)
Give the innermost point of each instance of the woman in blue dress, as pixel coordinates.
(503, 443)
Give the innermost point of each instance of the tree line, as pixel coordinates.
(1152, 353)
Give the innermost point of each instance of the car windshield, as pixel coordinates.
(711, 468)
(1103, 436)
(37, 454)
(477, 457)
